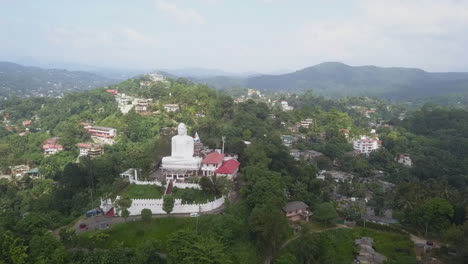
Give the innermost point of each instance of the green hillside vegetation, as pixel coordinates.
(18, 80)
(337, 246)
(429, 199)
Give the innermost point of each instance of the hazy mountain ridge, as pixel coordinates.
(337, 79)
(21, 80)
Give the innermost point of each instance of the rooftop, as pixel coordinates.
(229, 167)
(213, 158)
(296, 205)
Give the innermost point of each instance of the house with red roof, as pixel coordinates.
(27, 123)
(51, 147)
(113, 92)
(229, 169)
(211, 163)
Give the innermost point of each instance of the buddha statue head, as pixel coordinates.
(182, 129)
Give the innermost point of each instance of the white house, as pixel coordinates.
(366, 145)
(51, 147)
(211, 163)
(306, 123)
(405, 160)
(142, 105)
(285, 106)
(171, 107)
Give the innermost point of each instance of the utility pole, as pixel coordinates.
(223, 138)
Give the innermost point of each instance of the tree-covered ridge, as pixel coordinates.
(428, 198)
(336, 80)
(17, 80)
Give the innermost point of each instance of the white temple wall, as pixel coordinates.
(156, 205)
(183, 185)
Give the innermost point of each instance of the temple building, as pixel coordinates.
(211, 163)
(229, 169)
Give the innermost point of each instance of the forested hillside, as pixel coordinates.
(17, 80)
(430, 198)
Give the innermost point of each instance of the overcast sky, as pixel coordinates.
(238, 35)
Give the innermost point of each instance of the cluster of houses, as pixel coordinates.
(127, 103)
(19, 171)
(285, 106)
(305, 154)
(104, 135)
(153, 78)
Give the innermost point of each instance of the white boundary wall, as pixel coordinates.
(183, 185)
(146, 182)
(156, 205)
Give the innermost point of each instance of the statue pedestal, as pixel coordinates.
(174, 163)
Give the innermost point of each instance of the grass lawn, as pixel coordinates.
(133, 233)
(315, 226)
(190, 195)
(340, 246)
(143, 191)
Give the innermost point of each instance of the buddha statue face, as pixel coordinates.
(182, 129)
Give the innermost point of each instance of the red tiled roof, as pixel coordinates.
(51, 141)
(213, 158)
(52, 146)
(229, 167)
(114, 92)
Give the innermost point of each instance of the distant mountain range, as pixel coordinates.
(334, 79)
(21, 80)
(331, 79)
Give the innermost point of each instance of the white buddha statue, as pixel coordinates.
(182, 149)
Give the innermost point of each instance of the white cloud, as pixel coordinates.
(429, 34)
(181, 15)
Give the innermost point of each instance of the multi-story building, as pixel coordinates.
(171, 107)
(306, 123)
(51, 147)
(99, 131)
(366, 144)
(90, 150)
(142, 105)
(285, 106)
(211, 163)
